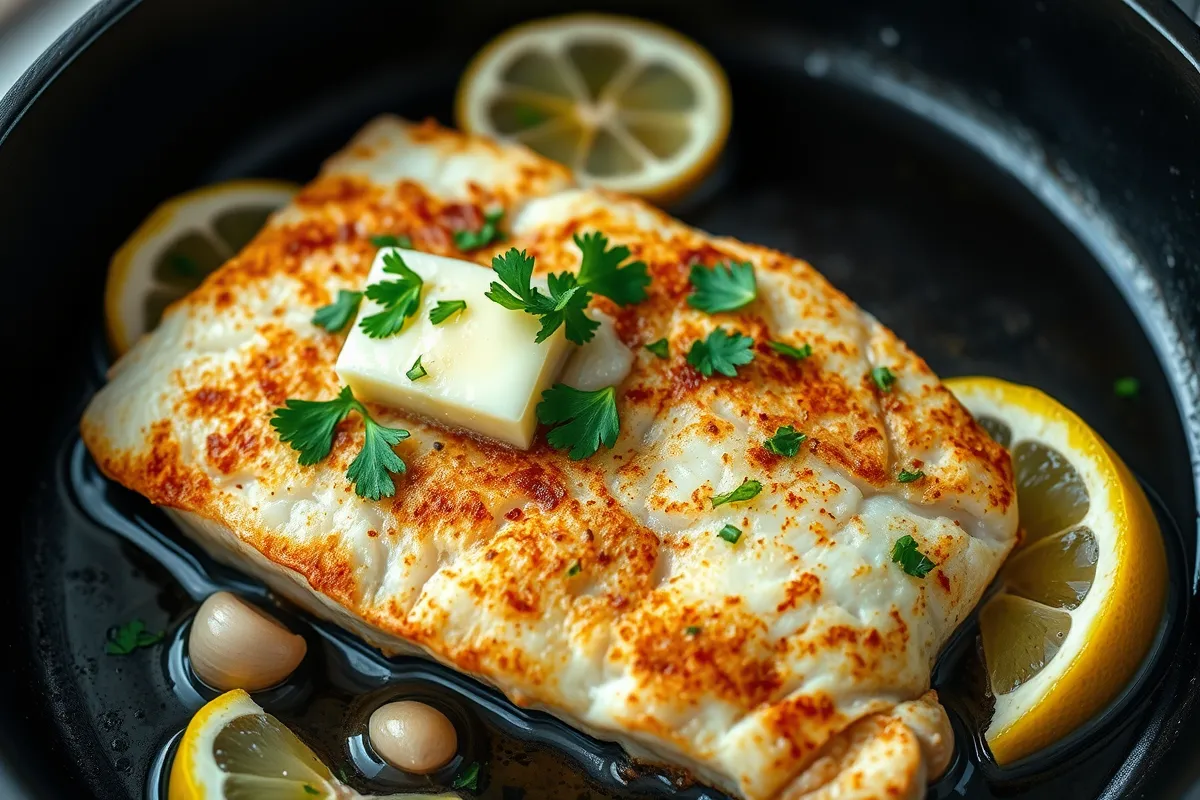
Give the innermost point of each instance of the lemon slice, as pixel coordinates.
(233, 750)
(1078, 603)
(627, 104)
(181, 242)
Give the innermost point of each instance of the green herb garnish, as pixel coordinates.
(564, 306)
(720, 352)
(338, 314)
(884, 378)
(602, 271)
(574, 569)
(906, 476)
(308, 426)
(749, 489)
(467, 240)
(124, 639)
(910, 559)
(799, 353)
(724, 287)
(785, 442)
(445, 309)
(468, 778)
(310, 790)
(400, 299)
(1127, 387)
(416, 371)
(692, 630)
(730, 534)
(584, 420)
(661, 348)
(391, 240)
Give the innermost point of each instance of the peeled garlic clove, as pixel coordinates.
(234, 645)
(412, 736)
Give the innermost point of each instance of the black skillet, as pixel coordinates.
(1012, 185)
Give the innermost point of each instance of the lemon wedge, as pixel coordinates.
(233, 750)
(627, 104)
(181, 242)
(1078, 603)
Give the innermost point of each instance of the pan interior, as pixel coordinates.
(930, 238)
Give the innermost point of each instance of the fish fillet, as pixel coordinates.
(775, 667)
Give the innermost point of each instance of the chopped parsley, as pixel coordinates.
(746, 491)
(799, 353)
(730, 534)
(720, 352)
(907, 476)
(910, 559)
(602, 270)
(337, 315)
(564, 306)
(724, 287)
(468, 778)
(467, 240)
(391, 240)
(417, 370)
(582, 420)
(1127, 387)
(692, 630)
(310, 790)
(400, 299)
(661, 348)
(445, 309)
(884, 378)
(308, 426)
(574, 569)
(124, 639)
(785, 442)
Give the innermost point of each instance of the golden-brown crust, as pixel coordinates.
(470, 559)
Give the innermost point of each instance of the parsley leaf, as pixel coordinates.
(584, 420)
(574, 569)
(730, 534)
(785, 442)
(1127, 387)
(884, 378)
(417, 371)
(908, 477)
(798, 353)
(400, 299)
(308, 425)
(489, 232)
(468, 778)
(601, 272)
(724, 287)
(692, 630)
(310, 790)
(338, 314)
(661, 348)
(565, 305)
(910, 559)
(391, 240)
(721, 352)
(124, 639)
(746, 491)
(445, 309)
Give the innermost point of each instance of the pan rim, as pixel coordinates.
(1163, 327)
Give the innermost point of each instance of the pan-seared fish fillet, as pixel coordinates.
(780, 666)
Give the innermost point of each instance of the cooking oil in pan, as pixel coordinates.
(521, 754)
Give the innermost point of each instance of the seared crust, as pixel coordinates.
(805, 626)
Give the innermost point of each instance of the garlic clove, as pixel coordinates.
(235, 645)
(412, 736)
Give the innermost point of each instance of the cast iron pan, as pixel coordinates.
(1013, 186)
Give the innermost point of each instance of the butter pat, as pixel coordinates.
(485, 373)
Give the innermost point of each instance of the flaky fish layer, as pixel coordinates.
(747, 664)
